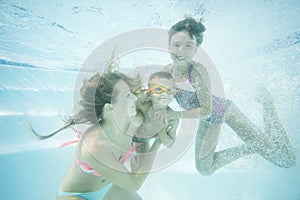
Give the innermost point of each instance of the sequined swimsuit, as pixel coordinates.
(188, 100)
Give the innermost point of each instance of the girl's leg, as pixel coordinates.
(276, 145)
(273, 145)
(242, 126)
(207, 160)
(204, 151)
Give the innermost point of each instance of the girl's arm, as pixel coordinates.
(201, 83)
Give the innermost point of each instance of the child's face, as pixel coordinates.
(161, 91)
(182, 47)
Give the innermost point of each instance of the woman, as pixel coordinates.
(184, 38)
(98, 171)
(102, 147)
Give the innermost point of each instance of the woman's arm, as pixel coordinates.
(167, 135)
(143, 150)
(102, 159)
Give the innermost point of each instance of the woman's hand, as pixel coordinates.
(167, 135)
(154, 122)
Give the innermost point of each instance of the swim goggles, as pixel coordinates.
(160, 89)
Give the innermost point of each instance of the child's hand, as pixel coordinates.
(158, 116)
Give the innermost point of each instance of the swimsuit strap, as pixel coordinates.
(85, 167)
(90, 170)
(72, 141)
(127, 155)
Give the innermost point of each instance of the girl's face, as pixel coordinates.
(162, 91)
(182, 47)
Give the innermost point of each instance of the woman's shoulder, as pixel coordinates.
(94, 143)
(94, 137)
(93, 131)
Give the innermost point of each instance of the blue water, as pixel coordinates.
(43, 45)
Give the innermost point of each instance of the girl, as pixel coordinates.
(184, 38)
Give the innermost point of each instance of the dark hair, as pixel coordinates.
(190, 25)
(95, 93)
(160, 74)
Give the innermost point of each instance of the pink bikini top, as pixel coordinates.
(85, 166)
(88, 169)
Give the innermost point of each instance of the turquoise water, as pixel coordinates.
(43, 45)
